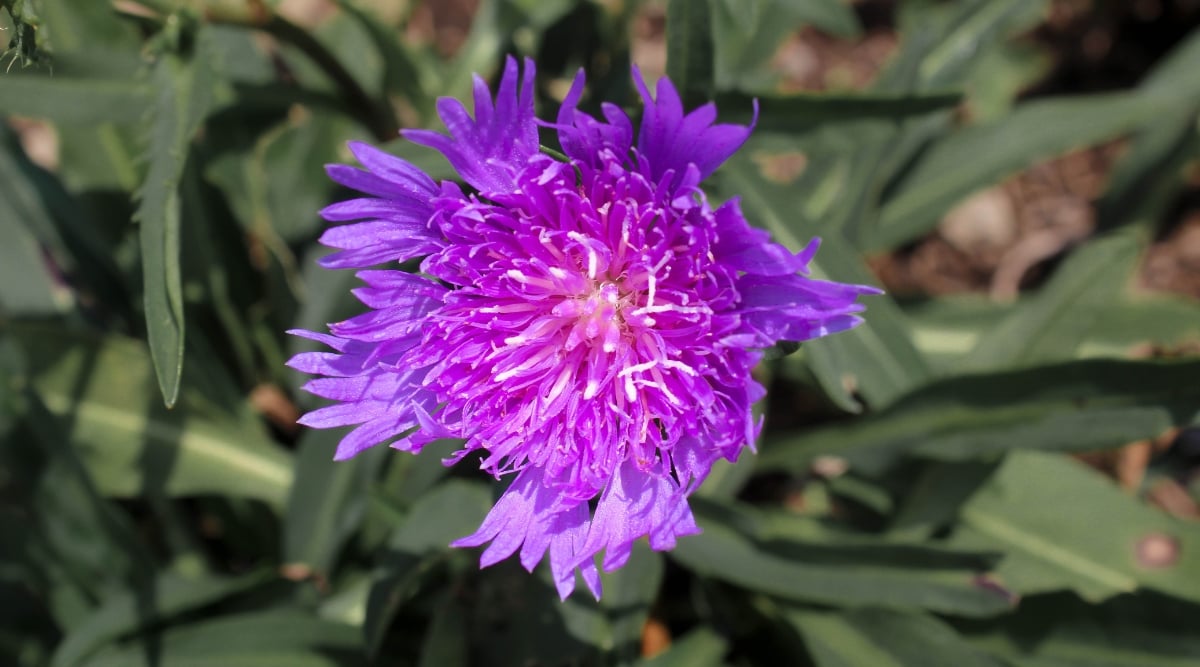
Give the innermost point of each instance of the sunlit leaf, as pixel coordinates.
(1043, 510)
(102, 391)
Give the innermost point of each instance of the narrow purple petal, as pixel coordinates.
(670, 140)
(747, 249)
(399, 173)
(585, 139)
(533, 517)
(489, 150)
(637, 504)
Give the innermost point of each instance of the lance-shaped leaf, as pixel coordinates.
(1063, 526)
(184, 92)
(1075, 406)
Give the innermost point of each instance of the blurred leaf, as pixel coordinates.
(1052, 324)
(447, 641)
(726, 479)
(629, 594)
(690, 49)
(941, 45)
(452, 510)
(184, 93)
(126, 613)
(81, 101)
(105, 159)
(279, 637)
(931, 504)
(947, 329)
(1002, 75)
(1064, 526)
(815, 541)
(747, 33)
(1140, 630)
(75, 546)
(883, 638)
(1073, 406)
(327, 501)
(807, 112)
(272, 176)
(518, 619)
(942, 42)
(297, 187)
(878, 358)
(979, 156)
(64, 241)
(12, 401)
(491, 27)
(27, 285)
(101, 390)
(725, 553)
(401, 73)
(75, 26)
(67, 232)
(701, 647)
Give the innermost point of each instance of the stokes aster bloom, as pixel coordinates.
(588, 326)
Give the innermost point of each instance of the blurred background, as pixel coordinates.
(1002, 467)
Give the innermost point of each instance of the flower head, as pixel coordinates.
(589, 327)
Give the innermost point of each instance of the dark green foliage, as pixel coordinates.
(916, 500)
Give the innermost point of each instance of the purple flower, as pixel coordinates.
(588, 327)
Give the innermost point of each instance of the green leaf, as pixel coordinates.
(629, 593)
(48, 216)
(979, 156)
(102, 391)
(932, 502)
(690, 49)
(518, 619)
(1052, 324)
(883, 638)
(947, 329)
(127, 612)
(447, 641)
(279, 637)
(746, 33)
(802, 113)
(876, 359)
(942, 43)
(452, 510)
(70, 545)
(1139, 630)
(73, 27)
(726, 553)
(492, 26)
(1097, 545)
(701, 647)
(184, 94)
(80, 101)
(1073, 406)
(328, 500)
(27, 286)
(401, 72)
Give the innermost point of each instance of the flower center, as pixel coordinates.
(597, 317)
